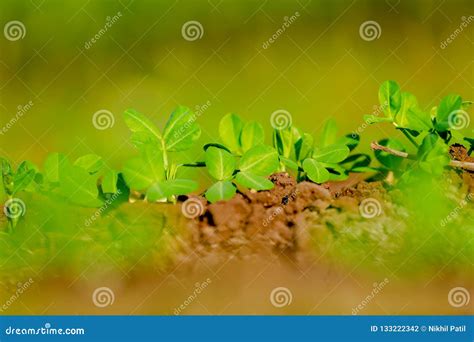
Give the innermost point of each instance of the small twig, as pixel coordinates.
(376, 146)
(453, 163)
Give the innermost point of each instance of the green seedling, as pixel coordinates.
(430, 132)
(330, 160)
(250, 170)
(13, 182)
(154, 171)
(242, 159)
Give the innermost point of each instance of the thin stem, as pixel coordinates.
(453, 163)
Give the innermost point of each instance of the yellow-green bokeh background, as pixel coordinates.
(319, 68)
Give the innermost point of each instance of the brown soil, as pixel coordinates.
(459, 152)
(272, 221)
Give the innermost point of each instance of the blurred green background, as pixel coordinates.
(320, 67)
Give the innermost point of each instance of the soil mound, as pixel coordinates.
(272, 221)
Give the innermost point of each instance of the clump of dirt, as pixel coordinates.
(460, 153)
(272, 221)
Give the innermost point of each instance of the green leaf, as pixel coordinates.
(449, 104)
(260, 160)
(252, 181)
(315, 170)
(138, 122)
(350, 140)
(252, 135)
(304, 146)
(336, 172)
(390, 98)
(435, 155)
(78, 186)
(53, 163)
(141, 172)
(157, 191)
(164, 189)
(206, 146)
(283, 141)
(222, 190)
(289, 163)
(181, 130)
(23, 177)
(220, 163)
(230, 128)
(411, 116)
(181, 186)
(92, 163)
(329, 133)
(386, 159)
(356, 161)
(331, 154)
(109, 182)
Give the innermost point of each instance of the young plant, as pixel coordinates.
(14, 182)
(250, 170)
(241, 159)
(330, 160)
(154, 171)
(431, 133)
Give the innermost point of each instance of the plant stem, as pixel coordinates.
(453, 163)
(409, 137)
